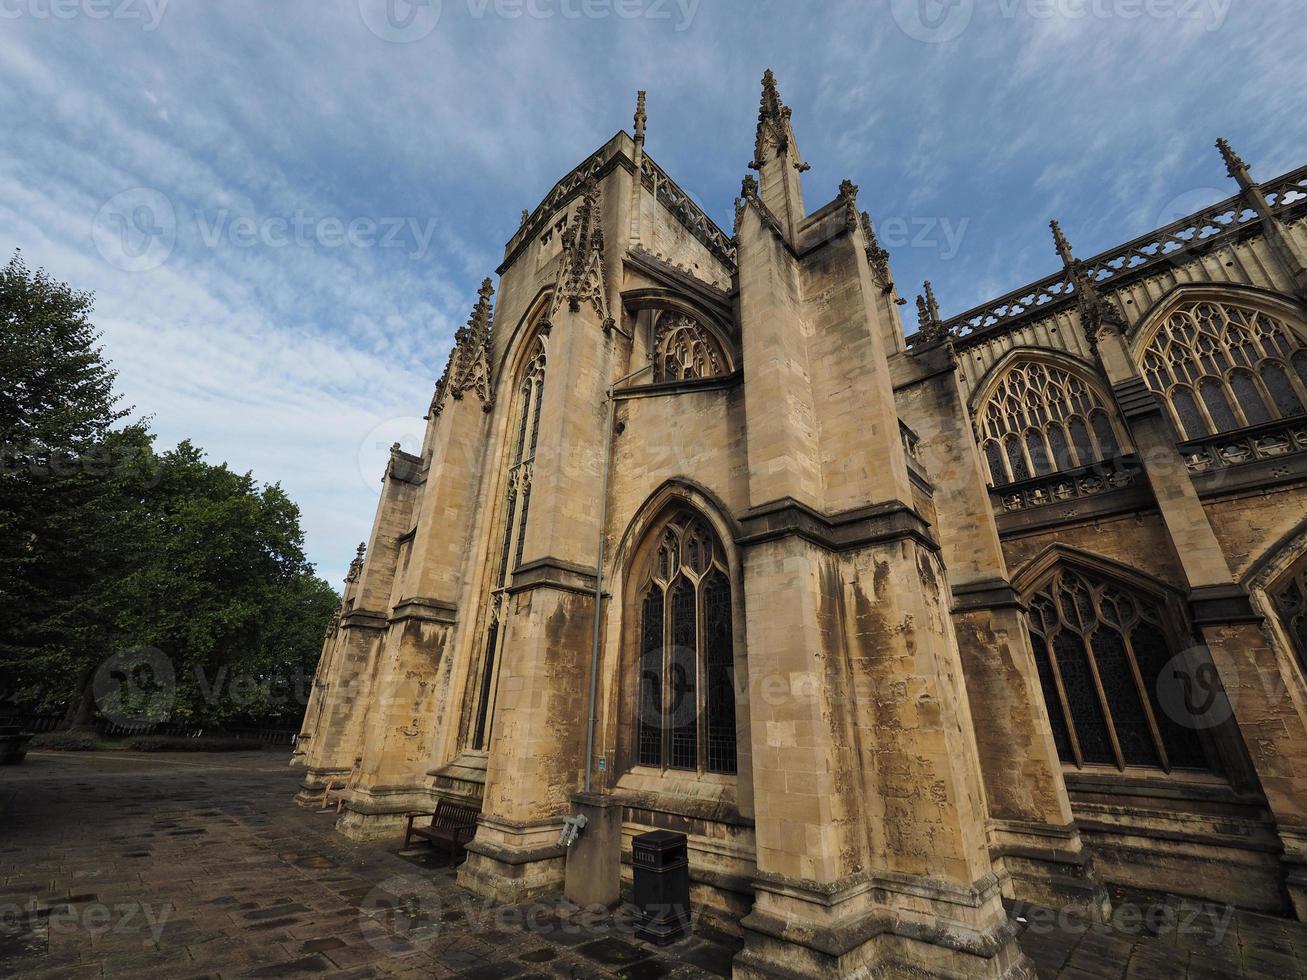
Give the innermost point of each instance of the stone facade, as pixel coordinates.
(892, 627)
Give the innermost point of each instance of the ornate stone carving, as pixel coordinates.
(1096, 311)
(356, 566)
(333, 624)
(683, 349)
(849, 195)
(582, 279)
(468, 367)
(774, 130)
(641, 119)
(931, 329)
(877, 257)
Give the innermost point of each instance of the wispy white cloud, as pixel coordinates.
(296, 360)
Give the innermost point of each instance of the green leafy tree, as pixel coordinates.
(107, 546)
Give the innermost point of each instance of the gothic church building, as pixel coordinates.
(893, 623)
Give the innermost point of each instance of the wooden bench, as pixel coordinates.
(452, 824)
(338, 791)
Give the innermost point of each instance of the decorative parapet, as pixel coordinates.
(669, 194)
(665, 190)
(1086, 481)
(1219, 224)
(1283, 437)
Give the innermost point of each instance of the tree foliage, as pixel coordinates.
(109, 546)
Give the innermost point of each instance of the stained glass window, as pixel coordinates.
(686, 695)
(1041, 419)
(683, 349)
(1215, 344)
(1102, 652)
(1290, 598)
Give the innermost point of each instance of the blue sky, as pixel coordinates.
(285, 207)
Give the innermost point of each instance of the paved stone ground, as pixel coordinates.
(198, 865)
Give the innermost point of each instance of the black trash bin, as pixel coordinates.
(660, 870)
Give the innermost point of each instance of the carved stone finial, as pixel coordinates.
(394, 448)
(641, 118)
(1063, 246)
(526, 216)
(931, 302)
(931, 329)
(356, 566)
(1095, 310)
(877, 257)
(773, 126)
(849, 195)
(749, 186)
(1234, 164)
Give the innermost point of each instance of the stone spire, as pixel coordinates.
(777, 160)
(1289, 255)
(1096, 311)
(1234, 164)
(930, 326)
(1062, 245)
(641, 119)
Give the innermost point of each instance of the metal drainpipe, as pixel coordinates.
(611, 398)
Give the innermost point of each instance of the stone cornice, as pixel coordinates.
(364, 619)
(1219, 605)
(1135, 399)
(876, 524)
(717, 383)
(554, 573)
(994, 593)
(425, 610)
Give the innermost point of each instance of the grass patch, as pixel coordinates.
(164, 743)
(66, 742)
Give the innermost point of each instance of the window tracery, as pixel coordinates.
(1041, 419)
(1101, 650)
(1222, 366)
(1290, 600)
(512, 530)
(683, 349)
(686, 697)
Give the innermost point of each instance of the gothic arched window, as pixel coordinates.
(1290, 598)
(1222, 366)
(683, 349)
(1101, 650)
(525, 433)
(1041, 419)
(686, 693)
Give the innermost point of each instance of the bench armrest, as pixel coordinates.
(414, 816)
